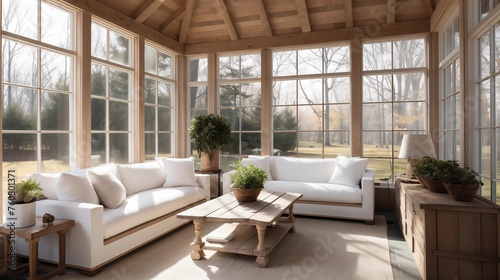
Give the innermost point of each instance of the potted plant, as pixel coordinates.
(209, 134)
(26, 194)
(427, 171)
(461, 183)
(248, 181)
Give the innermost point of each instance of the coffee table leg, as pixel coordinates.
(291, 218)
(197, 245)
(261, 261)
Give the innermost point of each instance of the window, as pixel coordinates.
(111, 84)
(311, 98)
(486, 6)
(394, 100)
(198, 86)
(240, 102)
(38, 59)
(159, 93)
(450, 93)
(488, 113)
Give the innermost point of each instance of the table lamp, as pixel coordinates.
(414, 147)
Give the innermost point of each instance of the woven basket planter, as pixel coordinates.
(432, 184)
(461, 192)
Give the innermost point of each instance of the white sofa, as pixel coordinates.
(341, 187)
(154, 193)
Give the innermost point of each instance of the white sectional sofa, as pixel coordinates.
(117, 208)
(341, 187)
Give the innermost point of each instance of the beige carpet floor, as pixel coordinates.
(318, 249)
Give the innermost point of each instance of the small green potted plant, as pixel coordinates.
(26, 193)
(461, 183)
(209, 134)
(427, 171)
(248, 181)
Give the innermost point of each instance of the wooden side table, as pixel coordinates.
(217, 172)
(32, 235)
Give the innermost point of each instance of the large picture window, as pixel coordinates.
(450, 93)
(311, 99)
(394, 100)
(239, 92)
(111, 81)
(159, 86)
(488, 112)
(38, 66)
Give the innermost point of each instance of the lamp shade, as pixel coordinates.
(417, 146)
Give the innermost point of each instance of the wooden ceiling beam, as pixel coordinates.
(178, 13)
(102, 11)
(305, 24)
(186, 21)
(146, 9)
(349, 20)
(227, 19)
(314, 37)
(429, 6)
(391, 11)
(264, 19)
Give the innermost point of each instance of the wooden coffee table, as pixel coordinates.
(257, 226)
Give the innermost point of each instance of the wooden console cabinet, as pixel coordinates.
(449, 239)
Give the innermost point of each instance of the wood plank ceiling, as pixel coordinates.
(192, 22)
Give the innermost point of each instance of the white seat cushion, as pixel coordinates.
(318, 191)
(148, 205)
(133, 176)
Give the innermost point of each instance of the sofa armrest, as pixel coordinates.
(226, 181)
(88, 232)
(204, 181)
(368, 189)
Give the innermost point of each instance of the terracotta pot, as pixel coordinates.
(246, 195)
(462, 192)
(210, 161)
(432, 184)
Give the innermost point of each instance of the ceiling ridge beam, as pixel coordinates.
(146, 9)
(391, 11)
(100, 10)
(315, 37)
(227, 19)
(186, 21)
(305, 25)
(178, 13)
(349, 20)
(264, 18)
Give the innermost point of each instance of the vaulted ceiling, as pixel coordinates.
(195, 22)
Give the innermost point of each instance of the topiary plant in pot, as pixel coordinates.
(427, 171)
(461, 183)
(248, 181)
(209, 134)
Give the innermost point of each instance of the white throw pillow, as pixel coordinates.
(348, 171)
(260, 162)
(108, 187)
(133, 176)
(179, 172)
(75, 186)
(48, 182)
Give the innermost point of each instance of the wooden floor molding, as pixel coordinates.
(318, 249)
